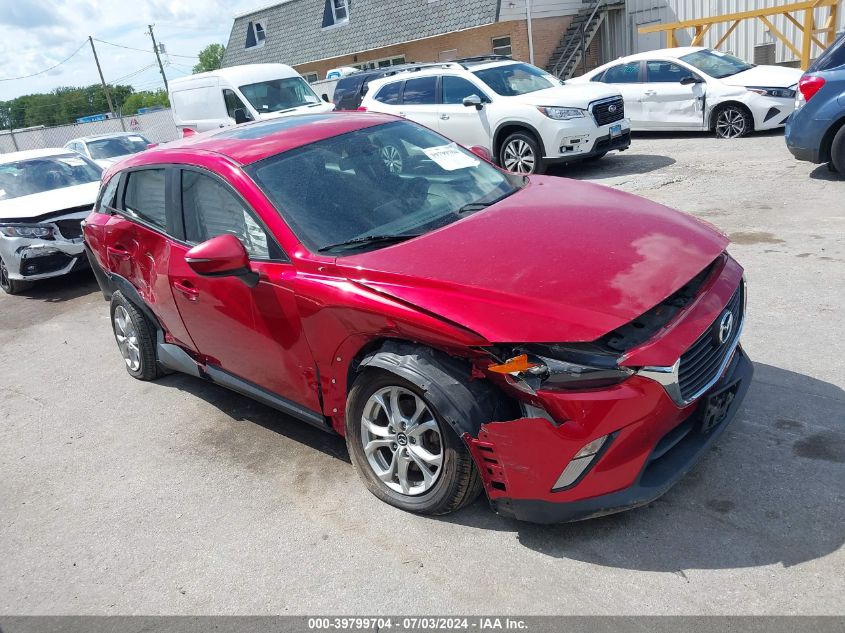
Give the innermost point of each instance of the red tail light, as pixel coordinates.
(362, 109)
(809, 85)
(187, 131)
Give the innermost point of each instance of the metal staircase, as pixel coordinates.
(578, 36)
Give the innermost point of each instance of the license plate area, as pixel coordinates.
(715, 408)
(615, 130)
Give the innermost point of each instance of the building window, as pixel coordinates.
(311, 77)
(255, 35)
(385, 62)
(447, 56)
(335, 12)
(502, 45)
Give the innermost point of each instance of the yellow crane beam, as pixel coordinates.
(805, 22)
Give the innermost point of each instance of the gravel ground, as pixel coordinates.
(178, 497)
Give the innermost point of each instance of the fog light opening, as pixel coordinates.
(579, 464)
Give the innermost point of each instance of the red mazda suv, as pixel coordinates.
(570, 349)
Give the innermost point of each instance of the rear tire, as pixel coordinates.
(451, 484)
(732, 121)
(837, 151)
(135, 339)
(11, 286)
(521, 154)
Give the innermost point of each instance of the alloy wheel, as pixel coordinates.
(127, 338)
(402, 441)
(392, 158)
(519, 157)
(731, 123)
(5, 282)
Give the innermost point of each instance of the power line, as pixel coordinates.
(141, 50)
(41, 72)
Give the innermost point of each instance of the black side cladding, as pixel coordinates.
(464, 403)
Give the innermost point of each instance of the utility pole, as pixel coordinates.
(155, 50)
(530, 32)
(102, 79)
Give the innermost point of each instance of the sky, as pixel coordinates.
(38, 34)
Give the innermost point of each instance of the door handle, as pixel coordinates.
(117, 251)
(187, 288)
(650, 93)
(401, 114)
(444, 117)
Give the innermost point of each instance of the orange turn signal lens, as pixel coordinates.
(514, 365)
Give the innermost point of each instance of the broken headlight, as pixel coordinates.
(575, 367)
(31, 231)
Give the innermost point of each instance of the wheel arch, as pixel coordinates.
(826, 145)
(507, 128)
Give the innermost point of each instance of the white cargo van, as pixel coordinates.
(238, 94)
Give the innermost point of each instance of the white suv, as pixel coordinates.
(523, 116)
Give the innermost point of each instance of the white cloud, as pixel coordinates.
(35, 35)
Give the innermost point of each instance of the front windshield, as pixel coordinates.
(716, 64)
(396, 179)
(279, 94)
(516, 79)
(37, 175)
(117, 146)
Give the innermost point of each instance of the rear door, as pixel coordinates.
(252, 334)
(666, 102)
(627, 79)
(465, 124)
(138, 243)
(419, 101)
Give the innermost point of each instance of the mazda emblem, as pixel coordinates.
(726, 326)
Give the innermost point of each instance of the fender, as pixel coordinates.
(518, 123)
(465, 403)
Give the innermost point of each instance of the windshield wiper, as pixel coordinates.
(367, 240)
(479, 206)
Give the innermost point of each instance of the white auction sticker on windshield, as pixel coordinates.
(136, 139)
(450, 158)
(72, 162)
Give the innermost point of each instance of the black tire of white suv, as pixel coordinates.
(521, 154)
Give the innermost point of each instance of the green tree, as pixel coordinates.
(210, 58)
(145, 99)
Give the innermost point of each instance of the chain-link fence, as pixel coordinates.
(157, 126)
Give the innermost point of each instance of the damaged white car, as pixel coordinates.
(700, 89)
(44, 196)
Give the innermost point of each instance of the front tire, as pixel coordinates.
(732, 121)
(135, 339)
(521, 154)
(837, 151)
(403, 450)
(11, 286)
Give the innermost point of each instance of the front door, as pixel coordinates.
(252, 334)
(466, 125)
(669, 104)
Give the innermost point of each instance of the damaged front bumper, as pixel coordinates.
(31, 258)
(651, 444)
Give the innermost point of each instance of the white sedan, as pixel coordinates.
(699, 89)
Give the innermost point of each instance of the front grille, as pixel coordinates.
(608, 111)
(70, 229)
(703, 360)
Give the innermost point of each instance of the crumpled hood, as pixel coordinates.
(558, 261)
(38, 204)
(575, 96)
(765, 77)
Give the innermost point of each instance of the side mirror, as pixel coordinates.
(482, 152)
(222, 256)
(240, 116)
(690, 80)
(473, 100)
(326, 98)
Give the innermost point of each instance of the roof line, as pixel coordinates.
(272, 5)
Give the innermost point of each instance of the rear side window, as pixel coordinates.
(421, 91)
(389, 94)
(833, 57)
(623, 74)
(210, 210)
(145, 196)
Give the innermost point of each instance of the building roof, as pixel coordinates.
(251, 142)
(13, 157)
(295, 33)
